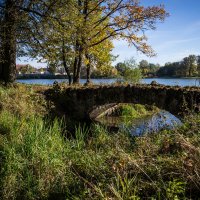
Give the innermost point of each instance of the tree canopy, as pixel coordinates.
(74, 33)
(15, 18)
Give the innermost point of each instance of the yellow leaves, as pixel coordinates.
(93, 25)
(86, 61)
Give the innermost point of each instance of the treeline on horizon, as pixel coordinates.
(187, 67)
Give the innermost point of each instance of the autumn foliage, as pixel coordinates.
(75, 33)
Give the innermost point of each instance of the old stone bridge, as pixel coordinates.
(78, 102)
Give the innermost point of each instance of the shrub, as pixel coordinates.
(133, 75)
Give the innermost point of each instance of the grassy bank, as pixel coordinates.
(37, 161)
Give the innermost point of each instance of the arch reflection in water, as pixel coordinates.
(162, 120)
(136, 119)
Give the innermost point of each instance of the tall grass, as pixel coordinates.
(22, 100)
(33, 159)
(37, 161)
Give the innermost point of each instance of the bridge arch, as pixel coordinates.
(78, 102)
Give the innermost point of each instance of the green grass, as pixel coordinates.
(37, 161)
(136, 110)
(33, 162)
(22, 100)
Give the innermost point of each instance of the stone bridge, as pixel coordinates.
(78, 102)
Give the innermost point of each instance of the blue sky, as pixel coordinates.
(174, 39)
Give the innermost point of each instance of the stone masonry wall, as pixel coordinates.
(78, 102)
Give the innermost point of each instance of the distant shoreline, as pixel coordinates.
(60, 76)
(52, 76)
(172, 77)
(41, 76)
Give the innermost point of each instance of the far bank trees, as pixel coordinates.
(187, 67)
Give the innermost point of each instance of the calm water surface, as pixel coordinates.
(164, 81)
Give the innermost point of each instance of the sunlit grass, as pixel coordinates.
(38, 161)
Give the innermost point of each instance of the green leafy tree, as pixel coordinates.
(153, 68)
(52, 68)
(132, 73)
(56, 42)
(121, 68)
(27, 69)
(129, 71)
(198, 65)
(171, 69)
(190, 66)
(99, 58)
(52, 40)
(80, 29)
(148, 69)
(14, 19)
(113, 19)
(143, 65)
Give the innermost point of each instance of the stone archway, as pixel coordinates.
(77, 103)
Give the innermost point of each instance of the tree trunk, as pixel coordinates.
(80, 45)
(68, 73)
(75, 68)
(1, 69)
(65, 64)
(79, 65)
(8, 72)
(88, 69)
(75, 61)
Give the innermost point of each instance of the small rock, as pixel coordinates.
(154, 83)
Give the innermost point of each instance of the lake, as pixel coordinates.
(165, 81)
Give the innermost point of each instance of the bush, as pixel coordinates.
(133, 75)
(129, 71)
